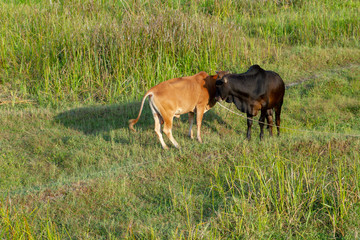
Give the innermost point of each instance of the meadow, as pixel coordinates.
(73, 72)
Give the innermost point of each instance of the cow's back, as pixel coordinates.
(256, 86)
(180, 93)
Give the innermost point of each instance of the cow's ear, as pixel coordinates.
(221, 74)
(225, 80)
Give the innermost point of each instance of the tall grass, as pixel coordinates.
(113, 50)
(77, 172)
(16, 224)
(297, 190)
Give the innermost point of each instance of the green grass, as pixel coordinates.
(111, 51)
(72, 74)
(80, 170)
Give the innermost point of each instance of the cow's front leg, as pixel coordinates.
(199, 116)
(249, 124)
(262, 122)
(191, 121)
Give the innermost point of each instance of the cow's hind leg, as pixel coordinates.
(158, 121)
(261, 122)
(270, 122)
(277, 117)
(191, 121)
(168, 130)
(249, 124)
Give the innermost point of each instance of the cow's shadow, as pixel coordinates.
(101, 120)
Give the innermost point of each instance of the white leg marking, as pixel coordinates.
(157, 119)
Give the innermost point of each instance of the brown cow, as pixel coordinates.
(179, 96)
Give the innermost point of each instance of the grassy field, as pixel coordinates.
(73, 72)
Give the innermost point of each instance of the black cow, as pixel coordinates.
(253, 91)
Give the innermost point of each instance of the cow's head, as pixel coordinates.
(222, 89)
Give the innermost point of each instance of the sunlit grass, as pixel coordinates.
(72, 73)
(105, 51)
(79, 172)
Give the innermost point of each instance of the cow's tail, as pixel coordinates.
(132, 122)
